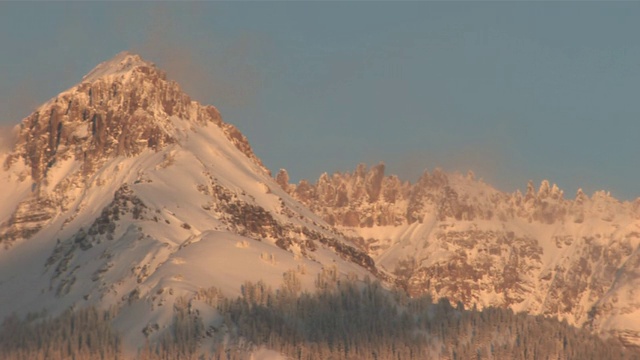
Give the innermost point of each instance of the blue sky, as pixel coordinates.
(512, 90)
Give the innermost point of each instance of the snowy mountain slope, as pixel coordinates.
(453, 236)
(121, 192)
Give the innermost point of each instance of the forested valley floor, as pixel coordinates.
(341, 320)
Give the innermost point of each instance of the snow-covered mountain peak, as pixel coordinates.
(120, 64)
(122, 107)
(123, 192)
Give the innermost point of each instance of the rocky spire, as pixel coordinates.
(120, 108)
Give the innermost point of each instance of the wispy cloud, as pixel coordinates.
(8, 137)
(210, 69)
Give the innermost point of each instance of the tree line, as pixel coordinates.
(341, 319)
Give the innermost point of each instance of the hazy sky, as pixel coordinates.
(513, 91)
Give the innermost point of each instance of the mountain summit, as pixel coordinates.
(120, 64)
(122, 107)
(123, 192)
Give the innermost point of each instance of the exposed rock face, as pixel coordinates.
(367, 198)
(27, 220)
(453, 236)
(359, 199)
(121, 108)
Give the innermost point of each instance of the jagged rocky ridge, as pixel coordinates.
(449, 235)
(367, 198)
(121, 108)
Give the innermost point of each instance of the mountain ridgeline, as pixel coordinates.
(451, 235)
(368, 198)
(132, 209)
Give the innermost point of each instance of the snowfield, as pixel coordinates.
(124, 194)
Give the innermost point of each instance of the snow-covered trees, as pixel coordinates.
(343, 319)
(356, 320)
(80, 334)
